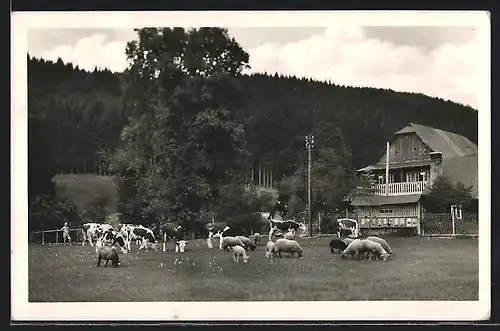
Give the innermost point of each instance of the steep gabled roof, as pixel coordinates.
(449, 144)
(463, 169)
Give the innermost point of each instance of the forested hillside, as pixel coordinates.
(286, 108)
(84, 112)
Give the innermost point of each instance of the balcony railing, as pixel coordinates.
(401, 188)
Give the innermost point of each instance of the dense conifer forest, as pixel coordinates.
(76, 116)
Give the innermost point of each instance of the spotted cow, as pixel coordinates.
(168, 231)
(216, 229)
(279, 227)
(138, 233)
(91, 231)
(347, 228)
(115, 238)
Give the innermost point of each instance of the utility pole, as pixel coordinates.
(387, 169)
(309, 144)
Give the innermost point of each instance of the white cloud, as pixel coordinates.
(90, 52)
(346, 56)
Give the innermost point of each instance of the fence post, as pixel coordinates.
(43, 238)
(57, 237)
(453, 219)
(319, 223)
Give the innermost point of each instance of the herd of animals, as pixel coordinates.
(281, 239)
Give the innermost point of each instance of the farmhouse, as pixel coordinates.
(417, 156)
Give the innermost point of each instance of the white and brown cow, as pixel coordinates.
(124, 231)
(138, 233)
(347, 228)
(172, 231)
(216, 229)
(115, 238)
(91, 231)
(280, 227)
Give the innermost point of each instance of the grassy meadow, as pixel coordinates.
(420, 269)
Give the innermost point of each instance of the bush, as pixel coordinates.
(97, 212)
(444, 193)
(46, 213)
(240, 207)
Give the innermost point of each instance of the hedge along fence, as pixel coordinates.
(443, 224)
(54, 236)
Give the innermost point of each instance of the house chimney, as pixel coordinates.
(436, 166)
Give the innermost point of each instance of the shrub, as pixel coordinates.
(97, 211)
(46, 213)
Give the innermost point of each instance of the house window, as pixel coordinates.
(386, 211)
(423, 176)
(381, 179)
(412, 176)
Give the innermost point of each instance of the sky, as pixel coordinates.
(438, 61)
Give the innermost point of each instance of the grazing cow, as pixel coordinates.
(171, 231)
(114, 238)
(90, 231)
(124, 230)
(239, 251)
(347, 228)
(138, 233)
(337, 244)
(288, 246)
(284, 226)
(216, 229)
(180, 246)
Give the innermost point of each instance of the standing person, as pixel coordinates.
(65, 230)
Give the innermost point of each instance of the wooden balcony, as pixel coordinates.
(401, 188)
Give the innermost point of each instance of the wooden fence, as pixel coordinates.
(54, 236)
(444, 224)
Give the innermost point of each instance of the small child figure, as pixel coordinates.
(66, 236)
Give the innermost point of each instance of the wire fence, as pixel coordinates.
(431, 224)
(444, 223)
(54, 236)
